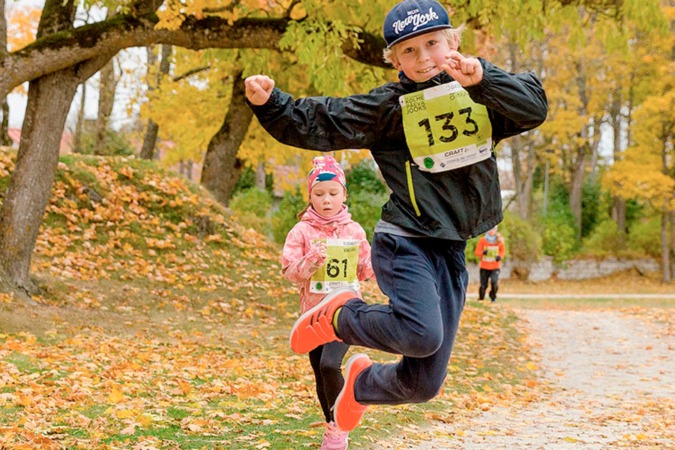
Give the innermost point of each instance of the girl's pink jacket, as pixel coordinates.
(299, 261)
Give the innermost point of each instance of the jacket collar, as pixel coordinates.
(413, 86)
(341, 218)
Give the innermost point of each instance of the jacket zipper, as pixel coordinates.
(411, 188)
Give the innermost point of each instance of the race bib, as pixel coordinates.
(445, 129)
(492, 253)
(339, 271)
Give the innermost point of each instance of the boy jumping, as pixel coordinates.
(432, 135)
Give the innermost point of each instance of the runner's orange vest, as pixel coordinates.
(488, 261)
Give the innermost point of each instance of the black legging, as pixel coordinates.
(326, 361)
(493, 276)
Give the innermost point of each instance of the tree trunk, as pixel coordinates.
(4, 130)
(27, 195)
(260, 176)
(665, 245)
(149, 140)
(221, 165)
(517, 170)
(522, 154)
(185, 168)
(619, 216)
(618, 203)
(189, 168)
(579, 160)
(152, 129)
(3, 31)
(81, 120)
(667, 215)
(522, 163)
(594, 147)
(671, 250)
(577, 186)
(106, 100)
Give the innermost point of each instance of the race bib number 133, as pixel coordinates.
(445, 129)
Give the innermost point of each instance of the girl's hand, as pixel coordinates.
(466, 71)
(317, 253)
(258, 89)
(321, 249)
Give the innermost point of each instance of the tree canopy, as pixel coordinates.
(201, 24)
(315, 35)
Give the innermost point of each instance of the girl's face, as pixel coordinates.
(327, 198)
(420, 57)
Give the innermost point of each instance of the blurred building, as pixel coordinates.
(64, 149)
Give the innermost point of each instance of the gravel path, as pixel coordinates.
(611, 381)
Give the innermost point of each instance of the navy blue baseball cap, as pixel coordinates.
(414, 17)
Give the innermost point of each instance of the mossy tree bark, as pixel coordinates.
(27, 195)
(221, 165)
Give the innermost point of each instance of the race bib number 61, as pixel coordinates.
(445, 129)
(339, 271)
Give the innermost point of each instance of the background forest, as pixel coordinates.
(596, 179)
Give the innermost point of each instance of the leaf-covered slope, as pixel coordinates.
(125, 219)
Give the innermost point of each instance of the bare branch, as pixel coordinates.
(289, 11)
(191, 72)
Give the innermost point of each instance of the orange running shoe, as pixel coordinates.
(348, 411)
(315, 327)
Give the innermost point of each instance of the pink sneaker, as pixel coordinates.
(334, 438)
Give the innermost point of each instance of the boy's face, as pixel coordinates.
(420, 57)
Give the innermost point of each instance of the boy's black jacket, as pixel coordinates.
(456, 205)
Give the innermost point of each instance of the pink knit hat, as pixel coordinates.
(325, 169)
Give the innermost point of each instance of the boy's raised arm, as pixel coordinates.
(258, 89)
